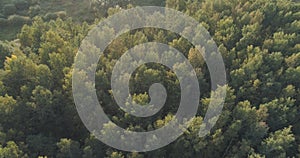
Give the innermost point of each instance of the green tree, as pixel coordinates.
(11, 150)
(68, 149)
(278, 143)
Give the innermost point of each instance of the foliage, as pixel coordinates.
(9, 9)
(259, 41)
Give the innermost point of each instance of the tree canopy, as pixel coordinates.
(258, 39)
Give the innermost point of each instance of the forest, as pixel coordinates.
(259, 41)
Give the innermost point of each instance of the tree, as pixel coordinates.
(68, 149)
(279, 143)
(11, 150)
(281, 113)
(39, 145)
(8, 106)
(5, 50)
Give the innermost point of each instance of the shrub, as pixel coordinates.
(34, 10)
(50, 16)
(33, 2)
(21, 4)
(61, 14)
(18, 20)
(55, 15)
(3, 22)
(9, 9)
(5, 50)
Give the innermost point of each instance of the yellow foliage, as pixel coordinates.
(10, 59)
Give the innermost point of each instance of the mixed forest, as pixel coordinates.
(258, 39)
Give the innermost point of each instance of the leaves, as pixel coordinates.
(259, 42)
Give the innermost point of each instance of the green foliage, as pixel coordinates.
(259, 41)
(21, 4)
(39, 145)
(18, 20)
(3, 22)
(9, 9)
(68, 149)
(281, 113)
(279, 143)
(34, 10)
(55, 15)
(5, 50)
(11, 150)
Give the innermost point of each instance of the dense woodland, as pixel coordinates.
(260, 44)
